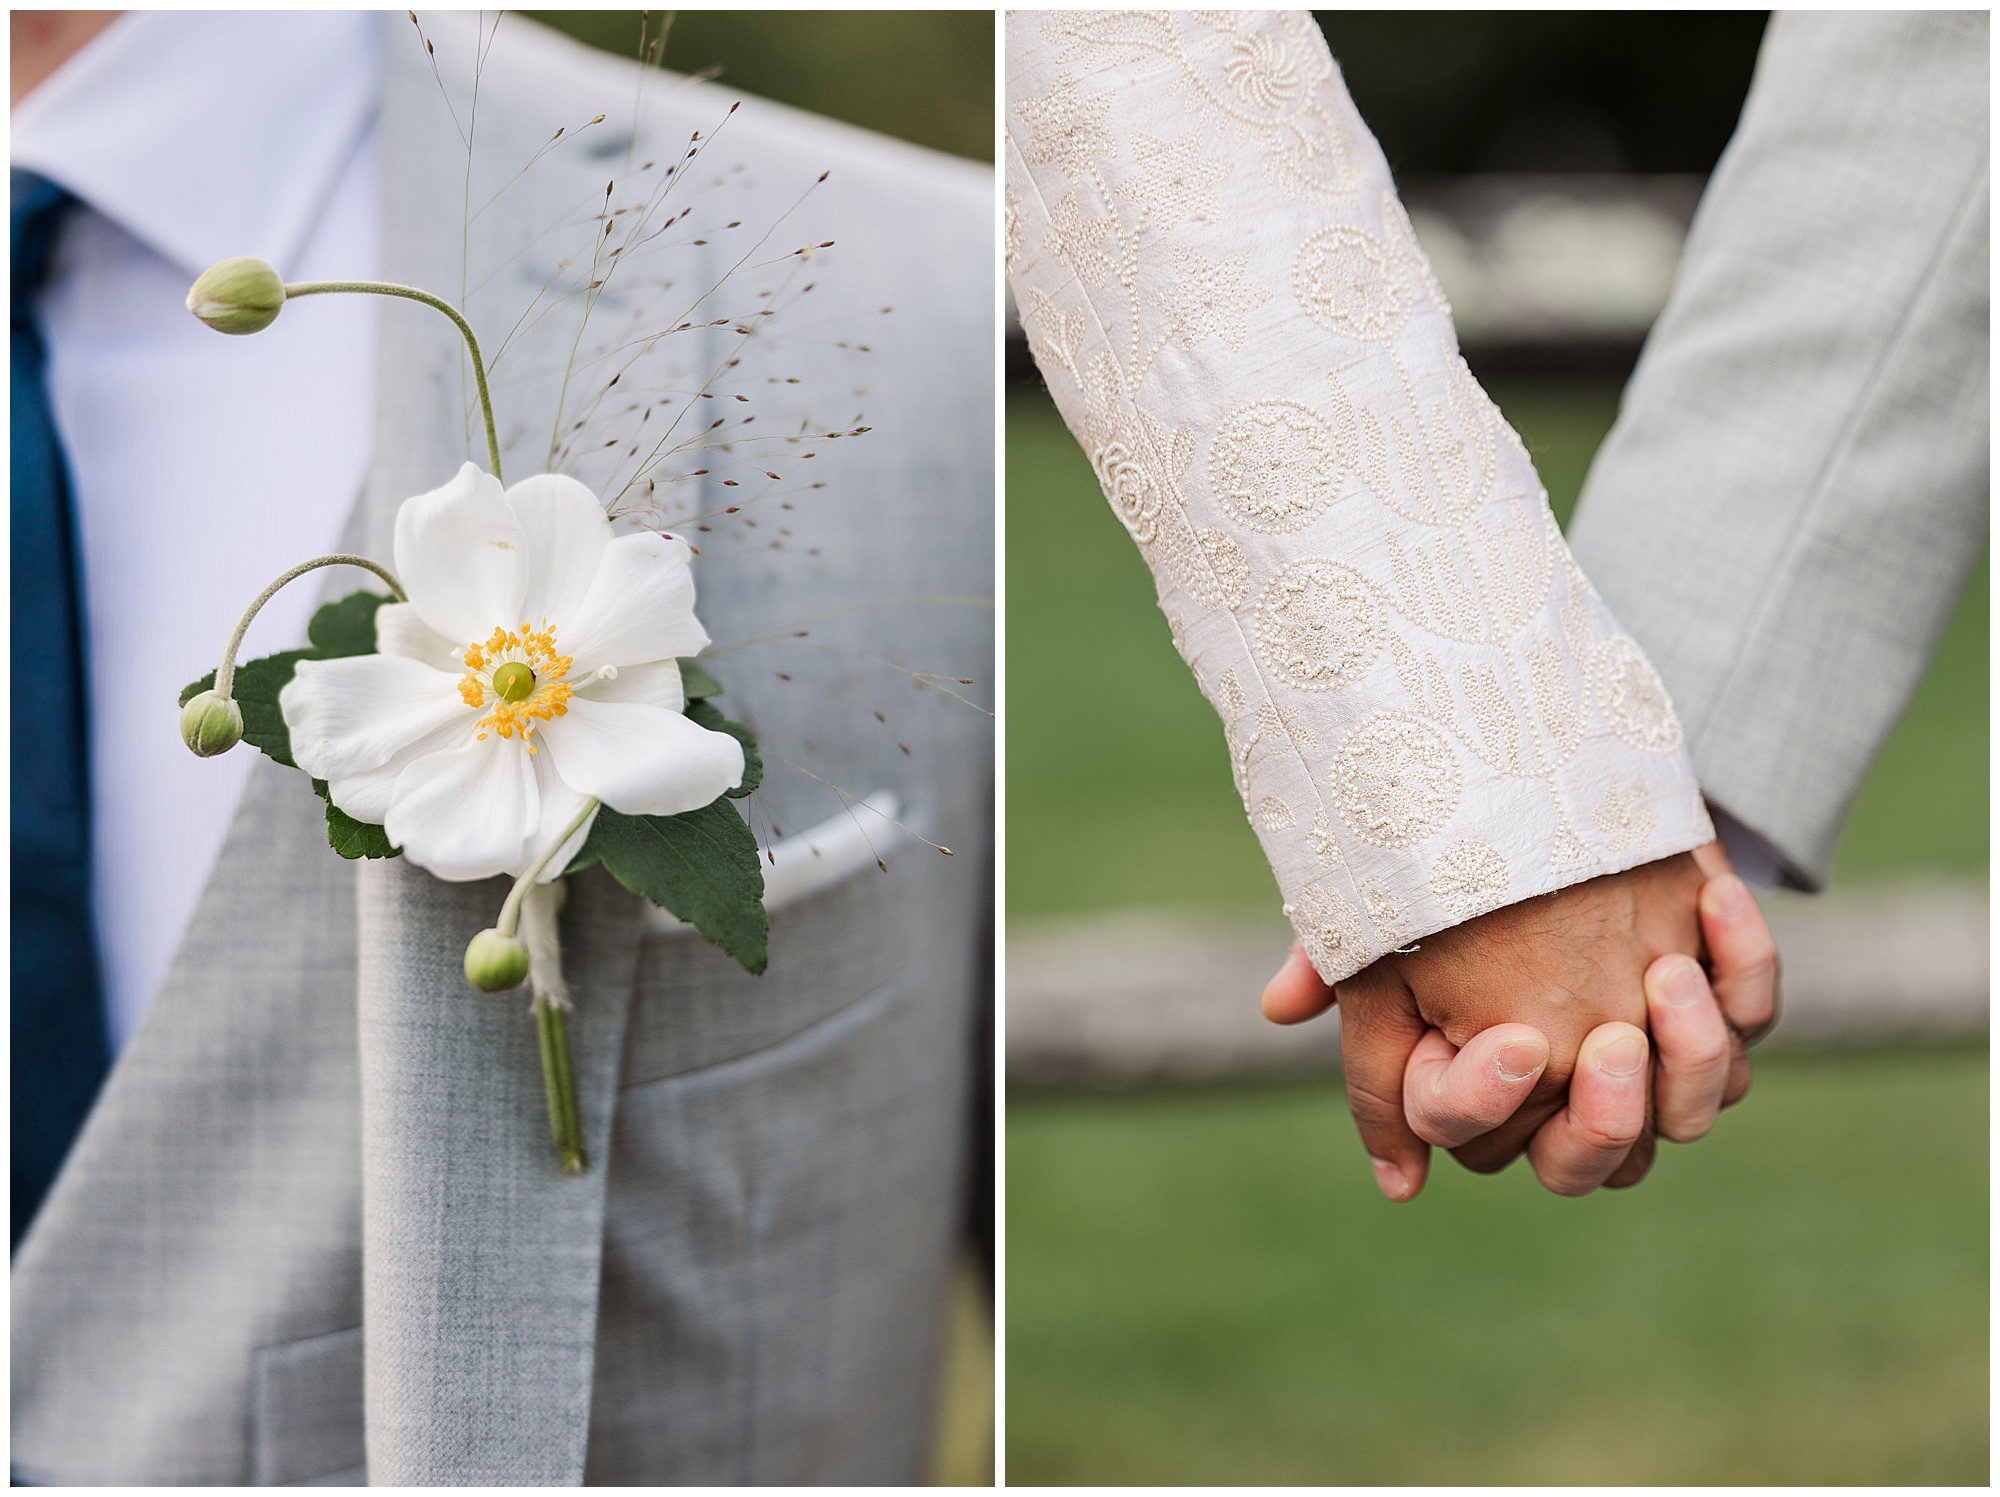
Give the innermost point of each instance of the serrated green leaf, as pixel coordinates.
(709, 716)
(351, 838)
(346, 627)
(697, 683)
(701, 866)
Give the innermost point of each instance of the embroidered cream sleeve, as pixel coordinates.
(1428, 710)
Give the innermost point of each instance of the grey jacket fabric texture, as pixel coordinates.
(1796, 486)
(313, 1232)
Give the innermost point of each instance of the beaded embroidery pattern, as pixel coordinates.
(1429, 712)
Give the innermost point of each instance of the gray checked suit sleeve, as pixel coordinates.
(1796, 486)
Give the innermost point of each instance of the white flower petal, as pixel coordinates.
(560, 805)
(640, 607)
(462, 557)
(468, 812)
(641, 760)
(400, 630)
(354, 713)
(367, 794)
(657, 684)
(567, 532)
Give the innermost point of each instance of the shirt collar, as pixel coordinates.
(208, 134)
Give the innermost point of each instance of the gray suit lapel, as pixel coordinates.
(481, 1259)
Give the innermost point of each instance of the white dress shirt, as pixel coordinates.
(202, 466)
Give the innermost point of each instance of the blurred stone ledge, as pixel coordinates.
(1550, 273)
(1159, 995)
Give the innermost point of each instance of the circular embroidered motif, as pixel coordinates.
(1318, 624)
(1272, 466)
(1260, 73)
(1330, 930)
(1634, 699)
(1129, 487)
(1397, 780)
(1348, 282)
(1469, 878)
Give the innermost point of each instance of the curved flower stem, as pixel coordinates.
(558, 1074)
(225, 673)
(510, 912)
(411, 293)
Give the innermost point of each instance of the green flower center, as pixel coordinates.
(513, 682)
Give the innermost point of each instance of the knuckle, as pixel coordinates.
(1427, 1115)
(1373, 1109)
(1685, 1129)
(1559, 1180)
(1605, 1136)
(1707, 1050)
(1440, 1135)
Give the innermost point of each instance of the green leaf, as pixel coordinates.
(346, 627)
(351, 838)
(701, 866)
(709, 716)
(697, 682)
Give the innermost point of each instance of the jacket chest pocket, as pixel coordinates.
(306, 1413)
(695, 1007)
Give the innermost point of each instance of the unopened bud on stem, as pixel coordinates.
(238, 295)
(211, 724)
(495, 963)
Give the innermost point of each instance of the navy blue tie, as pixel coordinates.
(61, 1051)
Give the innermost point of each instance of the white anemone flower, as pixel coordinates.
(533, 668)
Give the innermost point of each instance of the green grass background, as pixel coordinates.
(1204, 1286)
(922, 75)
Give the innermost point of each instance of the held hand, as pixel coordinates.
(1547, 999)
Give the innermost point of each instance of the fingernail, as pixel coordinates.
(1390, 1179)
(1679, 982)
(1622, 1057)
(1517, 1062)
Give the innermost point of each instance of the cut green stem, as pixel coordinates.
(551, 1025)
(559, 1081)
(411, 293)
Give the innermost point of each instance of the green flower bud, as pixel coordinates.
(238, 295)
(495, 963)
(211, 724)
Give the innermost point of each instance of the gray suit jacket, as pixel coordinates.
(1796, 486)
(310, 1239)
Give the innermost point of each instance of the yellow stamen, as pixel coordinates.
(520, 674)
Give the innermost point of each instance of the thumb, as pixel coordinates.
(1297, 993)
(1454, 1096)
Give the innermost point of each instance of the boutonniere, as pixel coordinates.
(523, 701)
